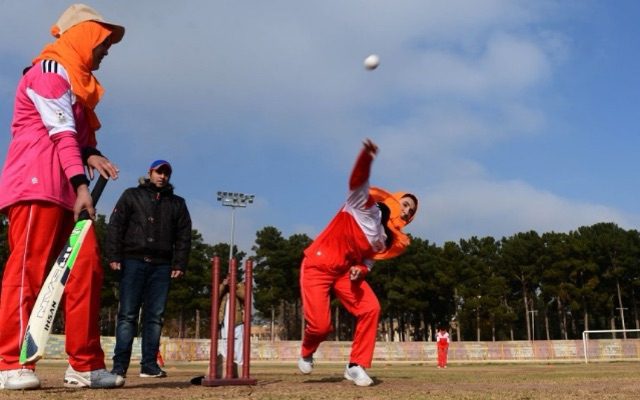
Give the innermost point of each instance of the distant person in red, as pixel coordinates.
(368, 227)
(442, 341)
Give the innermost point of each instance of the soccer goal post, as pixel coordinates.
(585, 338)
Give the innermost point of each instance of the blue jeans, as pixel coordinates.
(141, 285)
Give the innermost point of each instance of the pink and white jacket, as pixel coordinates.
(49, 129)
(442, 338)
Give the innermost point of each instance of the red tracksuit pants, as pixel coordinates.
(443, 349)
(356, 296)
(37, 233)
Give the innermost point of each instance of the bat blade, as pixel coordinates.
(44, 310)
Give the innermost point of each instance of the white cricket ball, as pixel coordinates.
(372, 62)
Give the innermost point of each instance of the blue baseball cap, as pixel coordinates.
(160, 163)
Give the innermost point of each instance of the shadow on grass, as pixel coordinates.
(331, 379)
(158, 384)
(197, 381)
(335, 379)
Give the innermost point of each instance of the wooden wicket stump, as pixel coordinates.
(214, 377)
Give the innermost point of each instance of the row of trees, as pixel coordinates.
(527, 286)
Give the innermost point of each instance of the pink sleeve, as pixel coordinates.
(51, 95)
(69, 153)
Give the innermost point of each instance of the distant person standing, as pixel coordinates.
(442, 342)
(44, 186)
(148, 241)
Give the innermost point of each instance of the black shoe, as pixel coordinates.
(158, 373)
(119, 371)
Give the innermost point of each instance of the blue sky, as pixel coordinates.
(502, 116)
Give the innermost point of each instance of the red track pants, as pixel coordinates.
(357, 297)
(442, 354)
(37, 233)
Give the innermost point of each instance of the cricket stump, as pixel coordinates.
(244, 379)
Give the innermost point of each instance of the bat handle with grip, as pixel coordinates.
(95, 195)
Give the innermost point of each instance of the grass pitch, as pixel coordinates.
(602, 381)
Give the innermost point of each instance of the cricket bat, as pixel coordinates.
(46, 305)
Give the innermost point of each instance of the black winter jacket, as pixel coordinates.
(150, 224)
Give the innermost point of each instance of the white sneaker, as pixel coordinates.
(19, 379)
(357, 375)
(153, 374)
(305, 365)
(98, 378)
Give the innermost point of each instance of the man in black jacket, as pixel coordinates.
(148, 241)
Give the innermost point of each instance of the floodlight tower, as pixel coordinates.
(234, 200)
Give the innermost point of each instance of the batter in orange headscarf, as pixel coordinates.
(368, 227)
(43, 188)
(75, 51)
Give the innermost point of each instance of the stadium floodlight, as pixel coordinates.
(234, 200)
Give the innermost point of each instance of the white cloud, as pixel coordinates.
(463, 209)
(506, 66)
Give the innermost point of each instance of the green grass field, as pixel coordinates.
(602, 381)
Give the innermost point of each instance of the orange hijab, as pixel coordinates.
(395, 224)
(74, 50)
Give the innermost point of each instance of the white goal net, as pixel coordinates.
(607, 343)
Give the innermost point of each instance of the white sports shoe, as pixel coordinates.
(98, 378)
(357, 375)
(305, 365)
(19, 379)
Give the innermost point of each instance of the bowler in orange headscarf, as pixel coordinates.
(368, 227)
(43, 189)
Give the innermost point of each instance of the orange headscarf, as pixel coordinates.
(74, 50)
(395, 224)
